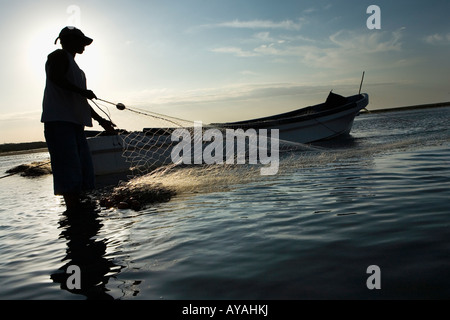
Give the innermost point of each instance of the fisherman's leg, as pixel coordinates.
(87, 166)
(87, 171)
(72, 200)
(63, 148)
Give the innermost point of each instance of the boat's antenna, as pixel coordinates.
(360, 86)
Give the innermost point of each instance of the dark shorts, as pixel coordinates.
(71, 159)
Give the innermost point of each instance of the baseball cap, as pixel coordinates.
(72, 31)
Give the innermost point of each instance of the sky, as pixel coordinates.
(225, 60)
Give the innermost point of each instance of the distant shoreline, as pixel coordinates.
(7, 149)
(420, 106)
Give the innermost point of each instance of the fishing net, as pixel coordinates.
(173, 143)
(184, 156)
(170, 142)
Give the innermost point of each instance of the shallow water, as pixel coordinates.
(310, 232)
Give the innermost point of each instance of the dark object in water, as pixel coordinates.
(34, 169)
(135, 196)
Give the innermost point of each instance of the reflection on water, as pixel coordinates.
(310, 232)
(85, 251)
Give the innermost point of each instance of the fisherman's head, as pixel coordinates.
(73, 39)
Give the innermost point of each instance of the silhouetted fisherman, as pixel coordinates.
(66, 112)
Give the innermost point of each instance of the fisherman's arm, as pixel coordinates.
(106, 124)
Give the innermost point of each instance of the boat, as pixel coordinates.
(311, 124)
(152, 147)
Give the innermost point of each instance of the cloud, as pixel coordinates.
(238, 52)
(249, 73)
(241, 92)
(375, 42)
(256, 24)
(239, 101)
(264, 36)
(438, 39)
(349, 48)
(309, 10)
(20, 116)
(340, 49)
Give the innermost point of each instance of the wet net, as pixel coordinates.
(173, 143)
(180, 155)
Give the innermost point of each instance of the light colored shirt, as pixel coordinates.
(63, 105)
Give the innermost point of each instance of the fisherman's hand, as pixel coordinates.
(89, 94)
(107, 125)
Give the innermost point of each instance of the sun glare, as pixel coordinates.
(41, 44)
(90, 63)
